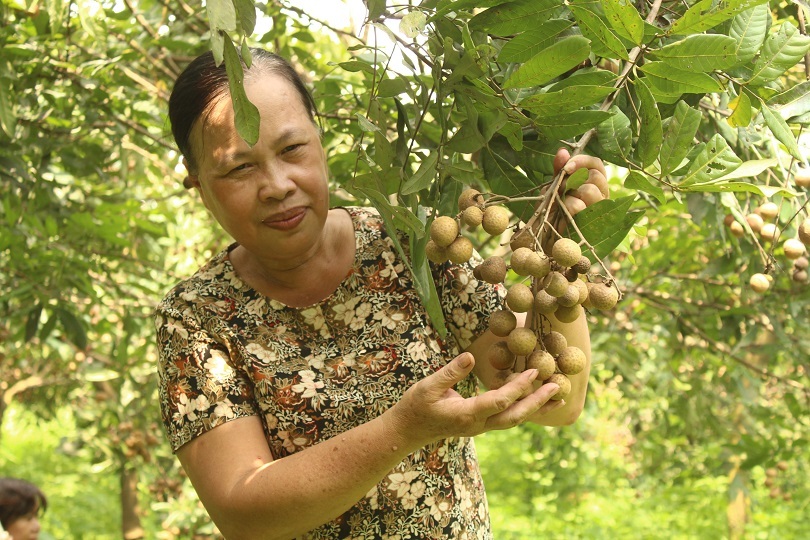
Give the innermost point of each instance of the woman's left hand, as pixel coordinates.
(593, 190)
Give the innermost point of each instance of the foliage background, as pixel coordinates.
(699, 386)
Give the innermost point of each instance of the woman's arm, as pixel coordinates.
(250, 495)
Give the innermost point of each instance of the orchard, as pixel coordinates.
(690, 261)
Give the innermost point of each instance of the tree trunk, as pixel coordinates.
(130, 512)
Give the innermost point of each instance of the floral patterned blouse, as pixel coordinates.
(226, 351)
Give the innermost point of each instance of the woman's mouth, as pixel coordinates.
(285, 221)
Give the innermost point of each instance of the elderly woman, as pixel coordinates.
(303, 387)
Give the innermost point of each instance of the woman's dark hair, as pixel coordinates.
(18, 498)
(202, 82)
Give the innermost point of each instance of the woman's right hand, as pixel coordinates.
(431, 409)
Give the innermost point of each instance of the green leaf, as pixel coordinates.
(624, 18)
(221, 15)
(781, 51)
(707, 14)
(639, 182)
(551, 62)
(523, 46)
(705, 52)
(781, 131)
(615, 135)
(651, 131)
(246, 12)
(365, 124)
(585, 77)
(715, 160)
(565, 100)
(425, 286)
(749, 28)
(32, 322)
(514, 17)
(671, 80)
(376, 9)
(246, 115)
(74, 330)
(423, 176)
(678, 136)
(7, 118)
(576, 180)
(605, 224)
(571, 124)
(396, 217)
(749, 169)
(603, 41)
(503, 178)
(356, 65)
(795, 101)
(392, 87)
(741, 110)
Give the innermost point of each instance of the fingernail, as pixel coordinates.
(532, 374)
(464, 360)
(570, 167)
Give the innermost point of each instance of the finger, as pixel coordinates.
(598, 179)
(574, 205)
(520, 411)
(454, 372)
(588, 193)
(560, 159)
(584, 161)
(494, 402)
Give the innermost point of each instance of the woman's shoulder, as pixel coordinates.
(208, 281)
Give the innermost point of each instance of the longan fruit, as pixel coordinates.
(436, 253)
(495, 220)
(543, 362)
(755, 221)
(804, 232)
(801, 263)
(582, 266)
(501, 322)
(519, 298)
(802, 177)
(571, 361)
(519, 261)
(545, 303)
(539, 265)
(554, 342)
(582, 287)
(568, 314)
(768, 210)
(570, 298)
(472, 216)
(522, 238)
(759, 283)
(800, 276)
(556, 284)
(736, 229)
(793, 248)
(468, 198)
(493, 269)
(728, 220)
(499, 356)
(563, 382)
(769, 232)
(602, 296)
(521, 341)
(566, 252)
(460, 250)
(443, 230)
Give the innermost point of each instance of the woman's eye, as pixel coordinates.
(292, 148)
(241, 167)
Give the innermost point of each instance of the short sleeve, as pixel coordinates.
(200, 386)
(466, 301)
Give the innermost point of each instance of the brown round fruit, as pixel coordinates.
(582, 287)
(801, 263)
(436, 253)
(545, 303)
(800, 276)
(802, 177)
(804, 232)
(769, 232)
(563, 382)
(521, 341)
(568, 314)
(555, 342)
(570, 298)
(566, 252)
(469, 197)
(583, 265)
(755, 221)
(543, 362)
(519, 298)
(522, 238)
(499, 356)
(736, 229)
(493, 269)
(556, 284)
(472, 216)
(501, 322)
(460, 250)
(759, 283)
(728, 220)
(495, 220)
(443, 230)
(571, 361)
(520, 261)
(768, 210)
(539, 265)
(793, 248)
(602, 296)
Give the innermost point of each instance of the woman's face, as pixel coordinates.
(25, 528)
(272, 198)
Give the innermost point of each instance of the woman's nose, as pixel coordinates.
(275, 183)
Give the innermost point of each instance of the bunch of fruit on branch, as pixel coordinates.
(554, 278)
(763, 225)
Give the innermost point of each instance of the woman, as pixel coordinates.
(20, 505)
(303, 387)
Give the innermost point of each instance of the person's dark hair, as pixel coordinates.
(18, 498)
(203, 82)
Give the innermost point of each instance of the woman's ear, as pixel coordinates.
(191, 180)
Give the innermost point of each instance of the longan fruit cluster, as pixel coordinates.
(778, 486)
(764, 222)
(556, 284)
